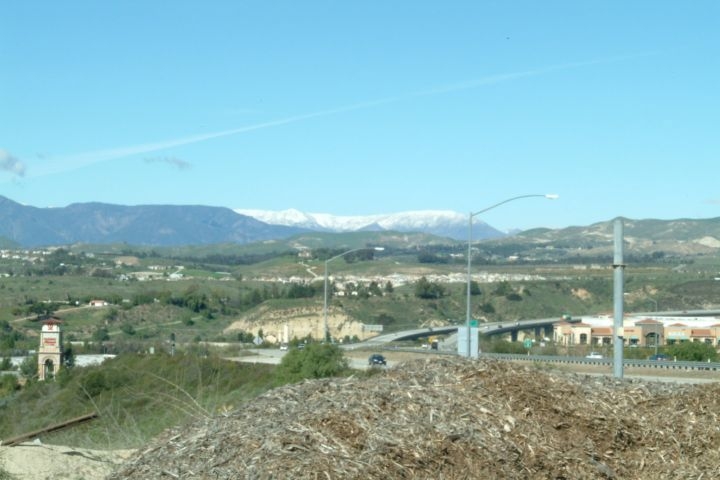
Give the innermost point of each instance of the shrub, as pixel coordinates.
(29, 367)
(6, 364)
(501, 346)
(513, 297)
(317, 360)
(8, 384)
(693, 352)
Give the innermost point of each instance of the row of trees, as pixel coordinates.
(426, 289)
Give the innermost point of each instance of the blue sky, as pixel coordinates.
(366, 107)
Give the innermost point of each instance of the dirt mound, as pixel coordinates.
(451, 419)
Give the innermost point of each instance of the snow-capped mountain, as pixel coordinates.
(444, 223)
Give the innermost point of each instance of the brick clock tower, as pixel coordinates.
(50, 353)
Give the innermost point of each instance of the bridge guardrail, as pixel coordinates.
(659, 364)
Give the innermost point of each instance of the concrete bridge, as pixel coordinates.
(542, 327)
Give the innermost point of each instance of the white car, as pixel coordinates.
(283, 346)
(594, 355)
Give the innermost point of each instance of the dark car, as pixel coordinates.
(376, 359)
(660, 357)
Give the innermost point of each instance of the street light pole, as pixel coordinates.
(469, 254)
(326, 330)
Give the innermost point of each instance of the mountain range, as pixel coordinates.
(188, 225)
(161, 225)
(173, 225)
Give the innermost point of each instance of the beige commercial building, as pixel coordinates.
(641, 332)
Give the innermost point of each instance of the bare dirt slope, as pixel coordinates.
(36, 461)
(451, 419)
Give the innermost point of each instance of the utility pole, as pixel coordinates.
(618, 279)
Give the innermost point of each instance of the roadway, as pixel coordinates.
(356, 360)
(685, 372)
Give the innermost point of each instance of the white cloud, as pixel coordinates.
(12, 164)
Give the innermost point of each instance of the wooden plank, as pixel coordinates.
(58, 426)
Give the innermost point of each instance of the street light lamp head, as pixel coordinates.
(550, 196)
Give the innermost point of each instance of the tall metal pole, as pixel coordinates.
(618, 272)
(550, 196)
(325, 319)
(469, 281)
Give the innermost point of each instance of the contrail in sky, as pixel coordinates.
(73, 161)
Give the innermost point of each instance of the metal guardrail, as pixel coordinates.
(561, 359)
(660, 364)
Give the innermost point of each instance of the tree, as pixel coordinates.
(29, 366)
(428, 290)
(111, 314)
(8, 384)
(503, 289)
(194, 299)
(68, 357)
(127, 329)
(6, 364)
(317, 360)
(513, 297)
(487, 308)
(253, 298)
(298, 290)
(101, 335)
(693, 352)
(374, 289)
(8, 336)
(429, 257)
(245, 337)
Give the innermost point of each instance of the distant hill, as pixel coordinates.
(162, 225)
(195, 225)
(679, 237)
(6, 243)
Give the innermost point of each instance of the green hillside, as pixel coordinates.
(136, 397)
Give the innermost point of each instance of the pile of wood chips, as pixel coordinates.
(452, 419)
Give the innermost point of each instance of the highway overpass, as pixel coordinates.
(492, 328)
(512, 327)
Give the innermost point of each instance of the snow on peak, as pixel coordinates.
(290, 217)
(440, 222)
